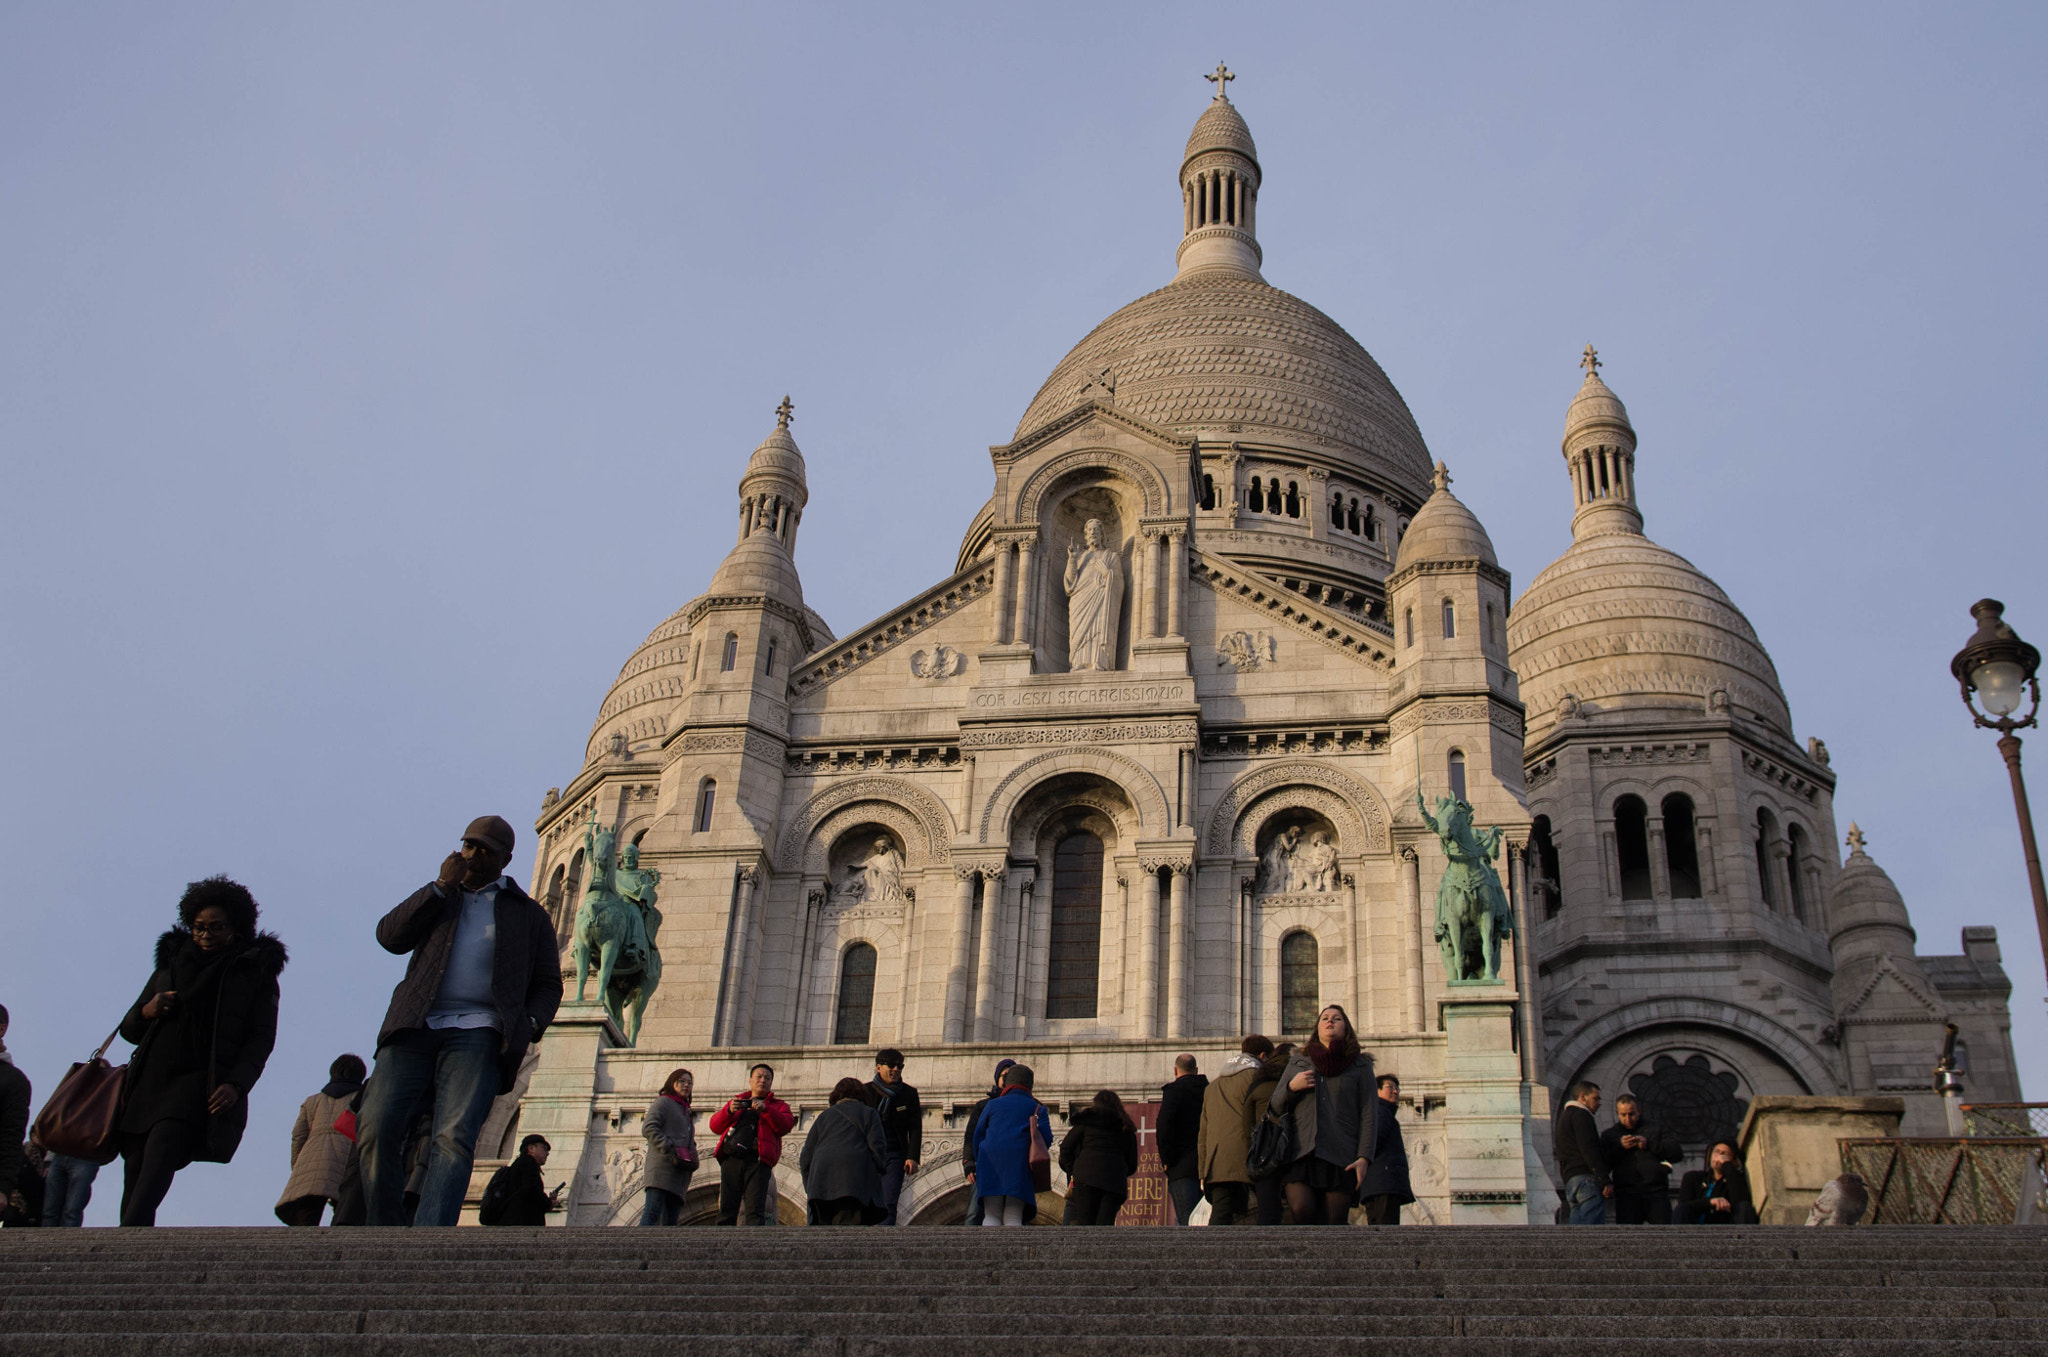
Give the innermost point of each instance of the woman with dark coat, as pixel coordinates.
(1099, 1155)
(1719, 1193)
(202, 1030)
(1328, 1085)
(843, 1158)
(1385, 1189)
(671, 1131)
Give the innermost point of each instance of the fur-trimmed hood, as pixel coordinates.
(268, 949)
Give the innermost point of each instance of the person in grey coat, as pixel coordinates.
(1385, 1188)
(671, 1131)
(1328, 1085)
(843, 1158)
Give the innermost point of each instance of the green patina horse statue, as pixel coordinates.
(1472, 912)
(617, 921)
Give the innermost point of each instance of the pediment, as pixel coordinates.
(893, 629)
(1102, 413)
(1248, 593)
(1891, 988)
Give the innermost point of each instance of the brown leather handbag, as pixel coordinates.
(83, 1116)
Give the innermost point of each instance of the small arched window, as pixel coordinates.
(1353, 520)
(1450, 620)
(1795, 868)
(1766, 842)
(1337, 511)
(1300, 981)
(1549, 883)
(731, 659)
(696, 657)
(1370, 525)
(768, 658)
(1408, 626)
(707, 798)
(1257, 497)
(1632, 847)
(1208, 491)
(1273, 495)
(1487, 633)
(1455, 768)
(555, 896)
(856, 996)
(1293, 500)
(572, 889)
(1681, 848)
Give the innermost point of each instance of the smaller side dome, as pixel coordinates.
(777, 465)
(1221, 128)
(1596, 405)
(1443, 529)
(758, 567)
(1866, 913)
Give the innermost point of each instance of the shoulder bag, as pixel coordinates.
(1272, 1147)
(1041, 1156)
(83, 1115)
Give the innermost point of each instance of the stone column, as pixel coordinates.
(1660, 865)
(1176, 572)
(1177, 953)
(993, 894)
(736, 986)
(1319, 492)
(1148, 973)
(1411, 929)
(1002, 593)
(1362, 995)
(1027, 595)
(1040, 950)
(956, 975)
(1524, 963)
(1710, 879)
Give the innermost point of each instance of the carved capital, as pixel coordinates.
(964, 872)
(1408, 854)
(1317, 475)
(750, 875)
(816, 899)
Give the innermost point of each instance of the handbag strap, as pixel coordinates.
(102, 1051)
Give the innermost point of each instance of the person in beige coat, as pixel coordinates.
(319, 1152)
(1225, 1139)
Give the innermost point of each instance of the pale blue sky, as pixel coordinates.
(373, 378)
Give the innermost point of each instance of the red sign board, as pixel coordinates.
(1148, 1203)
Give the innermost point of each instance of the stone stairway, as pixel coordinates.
(625, 1293)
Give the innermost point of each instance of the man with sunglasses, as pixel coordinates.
(902, 1123)
(483, 981)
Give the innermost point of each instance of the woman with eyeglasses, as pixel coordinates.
(202, 1030)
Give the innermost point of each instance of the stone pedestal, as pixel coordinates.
(560, 1104)
(1486, 1107)
(1790, 1151)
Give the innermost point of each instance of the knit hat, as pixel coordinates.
(491, 830)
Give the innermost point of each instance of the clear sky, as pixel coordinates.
(374, 377)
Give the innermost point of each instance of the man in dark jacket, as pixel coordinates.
(484, 981)
(1640, 1157)
(995, 1090)
(14, 1104)
(902, 1122)
(526, 1199)
(1580, 1161)
(1179, 1131)
(1383, 1190)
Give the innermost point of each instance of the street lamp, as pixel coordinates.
(1999, 667)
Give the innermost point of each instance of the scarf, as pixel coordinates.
(683, 1103)
(1327, 1062)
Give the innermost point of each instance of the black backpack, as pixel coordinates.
(497, 1195)
(1272, 1147)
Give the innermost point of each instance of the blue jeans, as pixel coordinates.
(973, 1216)
(662, 1207)
(892, 1185)
(453, 1070)
(1582, 1195)
(1186, 1194)
(67, 1187)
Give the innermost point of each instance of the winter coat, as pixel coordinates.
(319, 1152)
(1576, 1142)
(1350, 1094)
(1644, 1170)
(526, 1201)
(1698, 1187)
(219, 1032)
(967, 1135)
(902, 1118)
(1387, 1174)
(1228, 1115)
(15, 1097)
(1002, 1145)
(670, 1126)
(526, 969)
(843, 1156)
(1179, 1126)
(1100, 1151)
(775, 1122)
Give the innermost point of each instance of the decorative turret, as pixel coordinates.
(1219, 187)
(1600, 449)
(1866, 914)
(772, 499)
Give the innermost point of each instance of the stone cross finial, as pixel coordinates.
(1855, 838)
(1443, 478)
(1590, 362)
(1220, 78)
(783, 413)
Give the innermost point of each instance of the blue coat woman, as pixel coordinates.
(1002, 1145)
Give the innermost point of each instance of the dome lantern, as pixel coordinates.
(773, 491)
(1600, 450)
(1219, 190)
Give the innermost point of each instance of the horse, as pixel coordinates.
(1472, 912)
(616, 930)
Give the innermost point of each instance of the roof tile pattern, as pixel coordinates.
(1220, 355)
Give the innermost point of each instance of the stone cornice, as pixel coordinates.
(708, 603)
(1493, 573)
(1589, 947)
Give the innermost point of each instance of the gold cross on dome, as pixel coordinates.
(1221, 78)
(1590, 362)
(783, 413)
(1855, 838)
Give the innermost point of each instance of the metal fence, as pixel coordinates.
(2005, 1119)
(1979, 1180)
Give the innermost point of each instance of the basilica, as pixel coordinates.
(1184, 749)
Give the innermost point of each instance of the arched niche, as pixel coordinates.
(1353, 807)
(866, 858)
(1140, 790)
(1068, 803)
(1077, 503)
(1144, 490)
(920, 820)
(1298, 847)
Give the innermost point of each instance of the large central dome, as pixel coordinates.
(1226, 356)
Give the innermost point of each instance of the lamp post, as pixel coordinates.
(2000, 668)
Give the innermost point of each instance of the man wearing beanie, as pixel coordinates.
(483, 982)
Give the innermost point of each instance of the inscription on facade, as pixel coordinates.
(1104, 695)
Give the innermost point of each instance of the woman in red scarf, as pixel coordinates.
(1328, 1085)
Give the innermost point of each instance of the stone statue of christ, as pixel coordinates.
(1095, 594)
